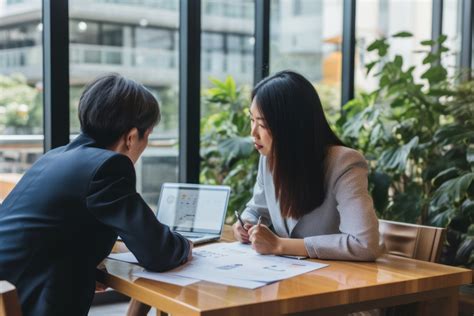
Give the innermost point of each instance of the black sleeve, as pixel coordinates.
(113, 200)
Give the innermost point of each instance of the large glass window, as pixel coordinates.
(452, 22)
(227, 41)
(227, 48)
(137, 39)
(21, 75)
(383, 18)
(306, 36)
(84, 32)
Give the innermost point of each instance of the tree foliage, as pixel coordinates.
(20, 105)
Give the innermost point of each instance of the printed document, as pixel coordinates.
(240, 261)
(166, 278)
(233, 264)
(124, 256)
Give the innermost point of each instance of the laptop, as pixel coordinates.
(195, 211)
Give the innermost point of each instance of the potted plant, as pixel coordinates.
(227, 152)
(418, 136)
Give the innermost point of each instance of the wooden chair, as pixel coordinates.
(412, 241)
(9, 304)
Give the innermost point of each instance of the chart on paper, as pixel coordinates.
(232, 264)
(239, 261)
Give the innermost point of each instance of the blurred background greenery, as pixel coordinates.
(417, 134)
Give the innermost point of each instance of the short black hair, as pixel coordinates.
(112, 105)
(301, 136)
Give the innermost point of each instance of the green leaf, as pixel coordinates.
(453, 134)
(427, 43)
(439, 92)
(236, 147)
(398, 102)
(442, 38)
(453, 190)
(430, 59)
(398, 61)
(219, 84)
(353, 126)
(376, 134)
(384, 81)
(435, 74)
(443, 49)
(375, 45)
(465, 254)
(380, 45)
(445, 175)
(467, 208)
(442, 219)
(395, 158)
(231, 88)
(369, 66)
(403, 34)
(470, 154)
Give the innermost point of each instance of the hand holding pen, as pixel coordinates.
(240, 229)
(263, 240)
(239, 219)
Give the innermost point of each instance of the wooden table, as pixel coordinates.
(340, 288)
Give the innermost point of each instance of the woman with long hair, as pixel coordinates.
(311, 194)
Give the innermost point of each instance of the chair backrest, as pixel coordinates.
(9, 303)
(412, 241)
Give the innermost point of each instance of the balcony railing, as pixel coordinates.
(142, 63)
(157, 4)
(20, 57)
(223, 8)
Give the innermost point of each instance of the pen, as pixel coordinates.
(259, 220)
(240, 219)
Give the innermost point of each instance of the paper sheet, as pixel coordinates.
(247, 284)
(192, 277)
(239, 261)
(233, 264)
(167, 278)
(124, 256)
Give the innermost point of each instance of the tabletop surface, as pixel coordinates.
(342, 282)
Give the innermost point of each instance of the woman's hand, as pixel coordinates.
(241, 233)
(263, 240)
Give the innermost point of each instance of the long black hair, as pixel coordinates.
(301, 136)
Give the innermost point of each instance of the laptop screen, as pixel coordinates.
(193, 207)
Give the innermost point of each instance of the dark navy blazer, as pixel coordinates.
(62, 219)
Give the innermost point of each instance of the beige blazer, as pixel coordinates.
(344, 227)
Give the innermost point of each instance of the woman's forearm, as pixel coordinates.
(291, 246)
